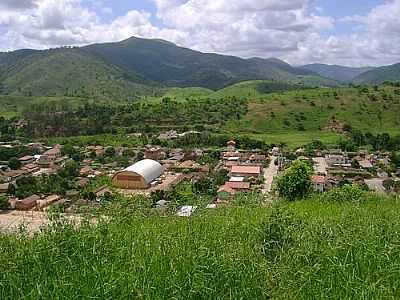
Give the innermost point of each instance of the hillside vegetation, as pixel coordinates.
(312, 110)
(71, 73)
(380, 75)
(135, 67)
(311, 249)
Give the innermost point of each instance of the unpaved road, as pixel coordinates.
(31, 221)
(269, 175)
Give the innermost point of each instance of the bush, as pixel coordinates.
(296, 182)
(347, 193)
(14, 163)
(3, 202)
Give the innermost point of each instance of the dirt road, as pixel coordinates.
(269, 175)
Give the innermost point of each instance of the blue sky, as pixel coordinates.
(349, 32)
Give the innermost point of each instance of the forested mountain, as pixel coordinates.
(380, 75)
(66, 72)
(134, 67)
(170, 65)
(335, 72)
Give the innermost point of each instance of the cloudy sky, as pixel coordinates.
(348, 32)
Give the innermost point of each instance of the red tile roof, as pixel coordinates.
(318, 179)
(246, 169)
(238, 185)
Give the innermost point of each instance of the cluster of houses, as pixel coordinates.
(245, 170)
(154, 168)
(47, 162)
(335, 167)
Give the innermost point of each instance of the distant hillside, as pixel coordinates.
(335, 72)
(254, 89)
(175, 66)
(136, 67)
(65, 72)
(380, 75)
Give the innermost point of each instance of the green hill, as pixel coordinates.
(380, 75)
(335, 72)
(311, 110)
(254, 89)
(67, 72)
(135, 67)
(171, 65)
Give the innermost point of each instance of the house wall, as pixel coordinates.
(246, 175)
(319, 187)
(129, 180)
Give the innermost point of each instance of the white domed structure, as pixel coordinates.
(139, 175)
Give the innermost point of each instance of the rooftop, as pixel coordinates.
(318, 179)
(246, 169)
(238, 185)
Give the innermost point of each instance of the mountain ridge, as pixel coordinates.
(379, 75)
(136, 66)
(337, 72)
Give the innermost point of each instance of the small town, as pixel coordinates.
(71, 179)
(199, 149)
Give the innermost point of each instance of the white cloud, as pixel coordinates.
(293, 30)
(243, 27)
(17, 4)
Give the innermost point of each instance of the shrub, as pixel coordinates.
(347, 193)
(296, 182)
(3, 202)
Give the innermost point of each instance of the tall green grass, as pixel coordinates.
(311, 249)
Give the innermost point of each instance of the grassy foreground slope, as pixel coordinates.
(304, 250)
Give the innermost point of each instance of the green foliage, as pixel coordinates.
(14, 163)
(308, 249)
(354, 110)
(347, 193)
(295, 183)
(70, 73)
(3, 202)
(91, 118)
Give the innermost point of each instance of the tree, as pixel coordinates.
(3, 202)
(296, 182)
(68, 150)
(70, 170)
(14, 163)
(110, 152)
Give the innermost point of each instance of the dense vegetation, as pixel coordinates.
(324, 247)
(271, 112)
(91, 118)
